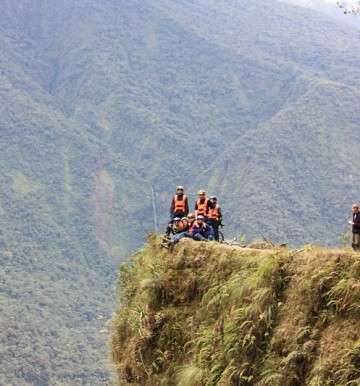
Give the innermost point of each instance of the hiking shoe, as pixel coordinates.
(165, 245)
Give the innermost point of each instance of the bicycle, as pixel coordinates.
(221, 237)
(231, 242)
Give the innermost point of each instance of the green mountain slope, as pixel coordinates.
(167, 81)
(64, 197)
(208, 314)
(104, 105)
(58, 244)
(301, 152)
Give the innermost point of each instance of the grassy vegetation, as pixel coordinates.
(267, 89)
(205, 314)
(100, 101)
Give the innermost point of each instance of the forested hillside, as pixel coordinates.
(166, 81)
(106, 106)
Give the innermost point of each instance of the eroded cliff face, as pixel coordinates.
(204, 314)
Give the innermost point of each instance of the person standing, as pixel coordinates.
(355, 227)
(215, 217)
(179, 204)
(202, 205)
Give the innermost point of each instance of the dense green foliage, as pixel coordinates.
(207, 314)
(103, 101)
(237, 91)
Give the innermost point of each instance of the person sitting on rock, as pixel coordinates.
(185, 231)
(173, 227)
(201, 230)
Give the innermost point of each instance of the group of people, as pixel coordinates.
(202, 225)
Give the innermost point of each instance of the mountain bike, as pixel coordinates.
(221, 237)
(232, 242)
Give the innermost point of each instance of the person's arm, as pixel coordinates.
(356, 222)
(196, 230)
(172, 207)
(168, 229)
(182, 230)
(209, 205)
(220, 214)
(186, 206)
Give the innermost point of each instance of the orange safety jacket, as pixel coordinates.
(190, 230)
(214, 213)
(180, 205)
(201, 208)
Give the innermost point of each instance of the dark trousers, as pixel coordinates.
(215, 226)
(177, 214)
(356, 242)
(199, 237)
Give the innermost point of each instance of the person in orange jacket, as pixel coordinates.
(215, 217)
(179, 205)
(202, 205)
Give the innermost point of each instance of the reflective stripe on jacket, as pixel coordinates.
(214, 213)
(201, 208)
(180, 205)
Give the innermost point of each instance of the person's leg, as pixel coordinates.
(176, 214)
(177, 238)
(172, 216)
(209, 235)
(215, 231)
(199, 237)
(356, 242)
(215, 227)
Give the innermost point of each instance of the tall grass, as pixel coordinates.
(204, 314)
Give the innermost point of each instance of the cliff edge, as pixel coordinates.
(205, 314)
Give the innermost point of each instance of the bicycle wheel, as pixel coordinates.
(221, 237)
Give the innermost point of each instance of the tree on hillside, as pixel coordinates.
(349, 8)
